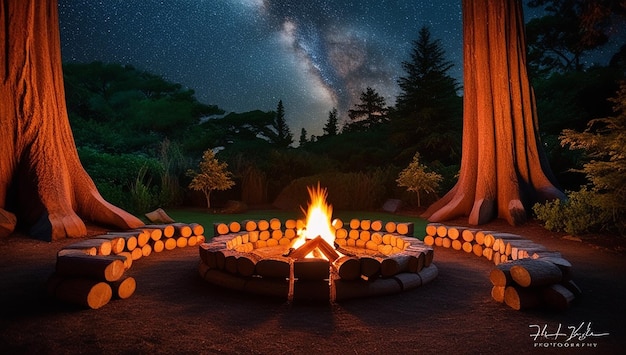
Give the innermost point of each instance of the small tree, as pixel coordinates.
(212, 176)
(415, 177)
(332, 125)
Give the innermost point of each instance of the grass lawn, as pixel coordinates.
(208, 219)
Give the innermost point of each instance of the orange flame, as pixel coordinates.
(318, 218)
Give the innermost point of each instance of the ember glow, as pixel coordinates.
(318, 219)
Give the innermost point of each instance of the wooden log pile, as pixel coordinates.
(526, 275)
(91, 272)
(244, 255)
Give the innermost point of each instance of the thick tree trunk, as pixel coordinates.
(503, 167)
(42, 181)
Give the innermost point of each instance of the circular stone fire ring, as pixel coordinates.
(362, 262)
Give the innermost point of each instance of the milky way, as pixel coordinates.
(243, 55)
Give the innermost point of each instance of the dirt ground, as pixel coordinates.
(174, 311)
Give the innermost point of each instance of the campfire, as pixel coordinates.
(316, 258)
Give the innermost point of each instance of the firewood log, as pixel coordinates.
(230, 262)
(220, 229)
(501, 274)
(395, 264)
(311, 269)
(118, 243)
(429, 240)
(558, 297)
(442, 231)
(124, 287)
(408, 281)
(167, 230)
(370, 266)
(376, 225)
(521, 298)
(169, 243)
(146, 250)
(355, 223)
(84, 292)
(477, 249)
(182, 230)
(431, 229)
(429, 273)
(488, 253)
(455, 232)
(181, 242)
(390, 227)
(348, 267)
(467, 247)
(292, 224)
(263, 225)
(405, 228)
(126, 258)
(103, 246)
(572, 287)
(234, 227)
(365, 224)
(536, 273)
(497, 293)
(130, 239)
(220, 258)
(456, 244)
(192, 240)
(85, 251)
(137, 253)
(561, 263)
(468, 234)
(153, 233)
(246, 264)
(446, 242)
(273, 268)
(105, 268)
(249, 225)
(275, 224)
(196, 228)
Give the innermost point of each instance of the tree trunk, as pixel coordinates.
(42, 181)
(503, 167)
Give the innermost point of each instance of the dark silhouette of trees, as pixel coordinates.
(503, 167)
(280, 134)
(372, 110)
(427, 116)
(43, 186)
(331, 128)
(571, 28)
(303, 138)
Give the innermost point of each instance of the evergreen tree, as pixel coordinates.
(332, 125)
(303, 139)
(428, 114)
(371, 110)
(281, 135)
(213, 175)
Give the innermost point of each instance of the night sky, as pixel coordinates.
(247, 54)
(244, 55)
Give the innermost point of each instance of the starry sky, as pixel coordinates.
(242, 55)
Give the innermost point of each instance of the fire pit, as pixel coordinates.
(316, 259)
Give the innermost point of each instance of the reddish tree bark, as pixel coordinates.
(43, 185)
(503, 167)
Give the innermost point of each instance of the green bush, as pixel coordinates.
(579, 214)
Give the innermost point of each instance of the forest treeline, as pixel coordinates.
(137, 134)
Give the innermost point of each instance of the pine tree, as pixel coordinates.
(371, 110)
(213, 175)
(303, 139)
(332, 125)
(428, 115)
(281, 135)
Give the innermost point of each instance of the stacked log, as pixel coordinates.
(494, 246)
(534, 283)
(527, 275)
(91, 272)
(259, 253)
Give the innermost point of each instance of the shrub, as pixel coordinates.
(579, 214)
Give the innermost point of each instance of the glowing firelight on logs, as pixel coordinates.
(318, 222)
